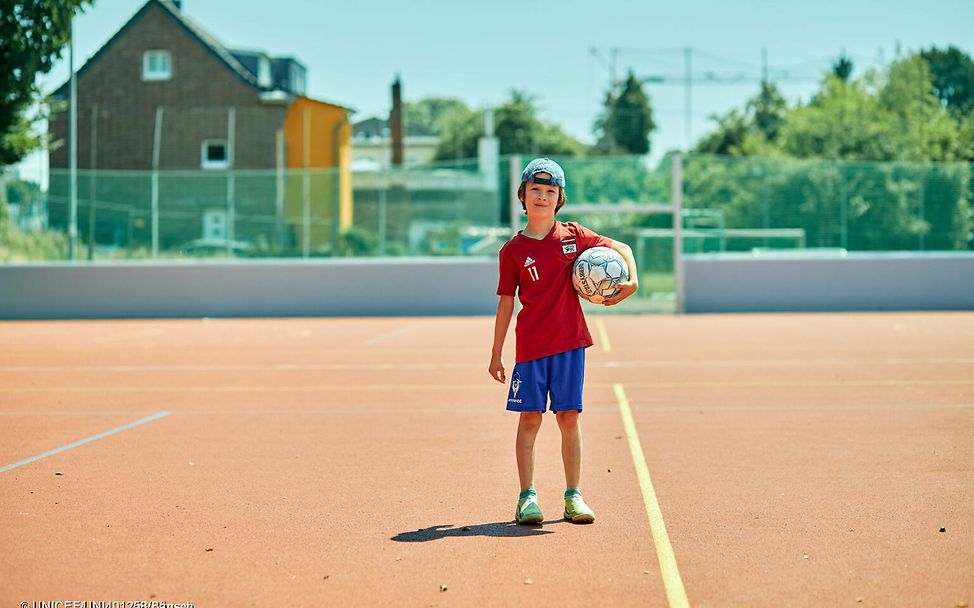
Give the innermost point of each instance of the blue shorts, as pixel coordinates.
(561, 376)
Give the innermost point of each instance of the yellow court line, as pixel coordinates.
(448, 387)
(675, 593)
(603, 335)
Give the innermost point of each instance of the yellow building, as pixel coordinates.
(317, 156)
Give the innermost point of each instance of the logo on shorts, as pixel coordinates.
(515, 384)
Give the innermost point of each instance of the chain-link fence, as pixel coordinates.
(458, 208)
(739, 204)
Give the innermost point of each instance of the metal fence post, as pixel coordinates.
(514, 181)
(231, 204)
(677, 195)
(157, 137)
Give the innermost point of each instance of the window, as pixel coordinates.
(264, 73)
(156, 65)
(215, 155)
(297, 79)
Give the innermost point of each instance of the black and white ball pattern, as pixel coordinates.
(597, 273)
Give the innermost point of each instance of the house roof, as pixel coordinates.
(196, 31)
(204, 37)
(376, 126)
(208, 40)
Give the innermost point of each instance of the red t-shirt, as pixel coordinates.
(540, 273)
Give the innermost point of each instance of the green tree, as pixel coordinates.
(952, 73)
(893, 115)
(844, 120)
(767, 110)
(627, 120)
(728, 138)
(428, 116)
(752, 132)
(926, 132)
(460, 130)
(516, 125)
(842, 68)
(33, 35)
(885, 116)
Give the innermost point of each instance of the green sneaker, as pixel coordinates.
(576, 511)
(528, 511)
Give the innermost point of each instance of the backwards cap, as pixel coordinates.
(544, 165)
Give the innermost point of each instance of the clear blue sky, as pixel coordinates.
(478, 52)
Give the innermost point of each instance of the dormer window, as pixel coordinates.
(156, 65)
(297, 79)
(264, 73)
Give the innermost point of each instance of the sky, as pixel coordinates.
(561, 53)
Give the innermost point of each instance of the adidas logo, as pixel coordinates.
(528, 262)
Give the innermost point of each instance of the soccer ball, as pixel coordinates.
(597, 273)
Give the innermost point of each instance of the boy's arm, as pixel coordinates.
(505, 309)
(629, 287)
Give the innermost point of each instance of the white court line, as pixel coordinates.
(391, 334)
(288, 367)
(84, 441)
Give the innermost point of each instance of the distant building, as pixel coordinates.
(164, 94)
(372, 146)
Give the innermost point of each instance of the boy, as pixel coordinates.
(551, 332)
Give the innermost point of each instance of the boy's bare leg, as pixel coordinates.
(571, 446)
(527, 431)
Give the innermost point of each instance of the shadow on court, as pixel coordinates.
(500, 528)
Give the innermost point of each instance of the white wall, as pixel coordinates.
(253, 288)
(856, 281)
(461, 286)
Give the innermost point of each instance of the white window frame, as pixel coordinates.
(206, 163)
(151, 72)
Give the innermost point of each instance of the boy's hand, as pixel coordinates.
(497, 370)
(625, 290)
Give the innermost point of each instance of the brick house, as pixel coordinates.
(163, 94)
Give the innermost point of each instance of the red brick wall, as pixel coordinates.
(194, 101)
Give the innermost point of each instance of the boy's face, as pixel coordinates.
(540, 200)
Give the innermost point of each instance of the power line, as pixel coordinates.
(753, 74)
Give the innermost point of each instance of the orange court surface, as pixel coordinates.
(732, 460)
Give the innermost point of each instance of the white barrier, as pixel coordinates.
(799, 281)
(463, 286)
(252, 288)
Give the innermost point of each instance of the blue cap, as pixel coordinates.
(544, 165)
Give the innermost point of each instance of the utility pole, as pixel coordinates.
(688, 106)
(92, 164)
(613, 54)
(73, 144)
